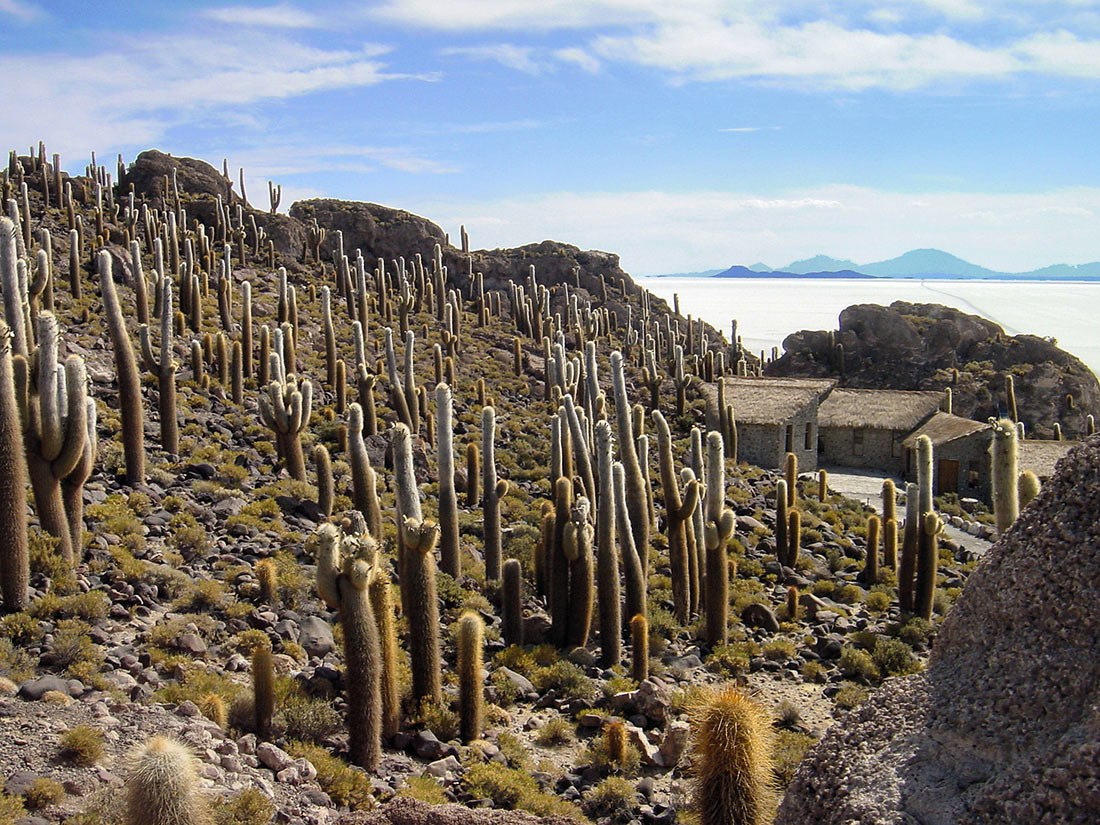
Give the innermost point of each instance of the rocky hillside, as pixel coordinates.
(930, 347)
(201, 595)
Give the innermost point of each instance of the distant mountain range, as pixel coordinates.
(917, 263)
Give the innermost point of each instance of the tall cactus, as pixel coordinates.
(164, 369)
(924, 473)
(54, 412)
(381, 600)
(449, 561)
(511, 614)
(633, 573)
(636, 501)
(577, 549)
(14, 555)
(717, 531)
(869, 574)
(782, 540)
(14, 310)
(346, 573)
(471, 676)
(494, 490)
(910, 538)
(129, 382)
(1006, 502)
(927, 562)
(285, 407)
(416, 544)
(607, 561)
(678, 511)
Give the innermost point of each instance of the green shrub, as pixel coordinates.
(425, 788)
(82, 744)
(566, 678)
(555, 732)
(779, 650)
(439, 719)
(894, 657)
(878, 602)
(850, 695)
(43, 792)
(857, 664)
(788, 749)
(514, 789)
(609, 796)
(346, 785)
(249, 807)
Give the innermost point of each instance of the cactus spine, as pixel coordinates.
(636, 501)
(511, 602)
(494, 490)
(164, 369)
(14, 554)
(471, 676)
(639, 648)
(449, 561)
(1027, 487)
(910, 539)
(678, 511)
(927, 562)
(924, 473)
(869, 574)
(416, 542)
(263, 691)
(732, 743)
(717, 531)
(1006, 502)
(607, 561)
(163, 786)
(346, 571)
(129, 382)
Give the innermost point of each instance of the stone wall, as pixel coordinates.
(972, 454)
(881, 449)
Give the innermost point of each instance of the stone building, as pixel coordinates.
(776, 416)
(960, 455)
(1041, 456)
(866, 428)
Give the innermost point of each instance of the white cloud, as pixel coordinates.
(132, 94)
(833, 46)
(579, 58)
(23, 11)
(506, 54)
(281, 16)
(659, 232)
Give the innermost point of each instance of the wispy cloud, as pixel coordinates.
(899, 46)
(133, 93)
(281, 16)
(20, 10)
(520, 58)
(579, 58)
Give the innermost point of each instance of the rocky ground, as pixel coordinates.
(152, 631)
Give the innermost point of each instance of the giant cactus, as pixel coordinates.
(1006, 502)
(285, 407)
(14, 556)
(164, 369)
(607, 561)
(129, 382)
(717, 531)
(494, 490)
(678, 511)
(449, 561)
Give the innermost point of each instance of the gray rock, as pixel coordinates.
(760, 615)
(33, 689)
(315, 636)
(273, 757)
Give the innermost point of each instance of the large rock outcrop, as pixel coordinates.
(1004, 725)
(919, 346)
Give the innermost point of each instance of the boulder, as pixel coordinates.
(1001, 727)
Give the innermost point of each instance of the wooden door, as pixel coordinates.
(948, 476)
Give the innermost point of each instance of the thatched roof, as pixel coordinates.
(1041, 456)
(944, 427)
(773, 400)
(877, 409)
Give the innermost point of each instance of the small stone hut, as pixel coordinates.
(1041, 456)
(960, 455)
(866, 428)
(776, 416)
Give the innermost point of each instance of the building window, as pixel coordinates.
(857, 442)
(895, 444)
(790, 438)
(809, 439)
(974, 474)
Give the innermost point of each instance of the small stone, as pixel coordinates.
(673, 744)
(315, 636)
(273, 757)
(760, 615)
(442, 767)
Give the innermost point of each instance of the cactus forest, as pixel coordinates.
(302, 519)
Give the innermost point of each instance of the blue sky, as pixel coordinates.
(683, 136)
